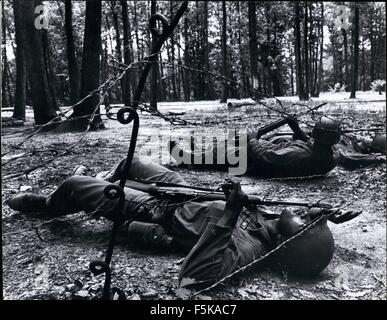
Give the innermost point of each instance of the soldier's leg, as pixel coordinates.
(212, 158)
(142, 169)
(81, 193)
(78, 193)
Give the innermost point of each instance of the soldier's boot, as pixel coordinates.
(28, 202)
(148, 235)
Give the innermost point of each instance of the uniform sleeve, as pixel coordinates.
(213, 257)
(352, 161)
(274, 155)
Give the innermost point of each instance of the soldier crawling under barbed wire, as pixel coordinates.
(220, 236)
(297, 155)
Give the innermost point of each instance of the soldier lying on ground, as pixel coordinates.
(358, 153)
(353, 152)
(220, 236)
(299, 155)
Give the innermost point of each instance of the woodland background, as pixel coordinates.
(219, 50)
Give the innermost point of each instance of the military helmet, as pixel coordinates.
(309, 253)
(379, 144)
(326, 131)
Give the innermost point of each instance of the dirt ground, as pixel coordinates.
(57, 268)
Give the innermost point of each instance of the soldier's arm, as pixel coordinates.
(298, 133)
(352, 161)
(215, 255)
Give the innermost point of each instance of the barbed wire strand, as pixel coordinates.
(260, 259)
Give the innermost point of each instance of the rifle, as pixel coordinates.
(181, 193)
(343, 131)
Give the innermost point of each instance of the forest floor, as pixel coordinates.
(58, 267)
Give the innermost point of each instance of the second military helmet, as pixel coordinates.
(327, 131)
(309, 252)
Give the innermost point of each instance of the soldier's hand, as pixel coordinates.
(236, 198)
(340, 216)
(292, 122)
(253, 135)
(381, 158)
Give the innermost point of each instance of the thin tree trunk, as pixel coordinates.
(179, 63)
(291, 73)
(162, 81)
(209, 90)
(186, 73)
(49, 70)
(346, 69)
(104, 71)
(127, 55)
(155, 66)
(253, 45)
(19, 112)
(299, 74)
(355, 61)
(173, 78)
(363, 66)
(269, 53)
(224, 52)
(243, 67)
(372, 41)
(74, 74)
(4, 99)
(306, 58)
(320, 69)
(118, 51)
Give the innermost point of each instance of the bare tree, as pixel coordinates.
(19, 112)
(355, 55)
(74, 76)
(224, 52)
(90, 69)
(40, 94)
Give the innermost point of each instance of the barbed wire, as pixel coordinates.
(264, 257)
(175, 120)
(104, 87)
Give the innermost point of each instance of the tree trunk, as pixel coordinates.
(90, 69)
(74, 75)
(4, 100)
(346, 69)
(155, 66)
(224, 52)
(118, 48)
(129, 81)
(186, 74)
(363, 66)
(173, 78)
(19, 112)
(40, 93)
(306, 58)
(253, 46)
(162, 81)
(275, 75)
(320, 69)
(299, 74)
(355, 59)
(291, 74)
(268, 45)
(243, 67)
(209, 90)
(104, 71)
(49, 70)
